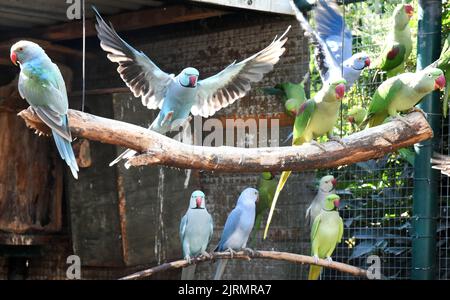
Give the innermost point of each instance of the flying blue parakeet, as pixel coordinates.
(326, 233)
(42, 86)
(329, 22)
(178, 96)
(327, 187)
(238, 227)
(196, 229)
(317, 116)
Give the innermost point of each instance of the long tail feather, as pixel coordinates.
(66, 152)
(188, 273)
(314, 272)
(284, 177)
(125, 155)
(221, 264)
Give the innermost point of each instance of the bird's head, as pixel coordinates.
(431, 79)
(197, 200)
(188, 77)
(248, 197)
(332, 202)
(402, 15)
(356, 115)
(24, 51)
(327, 183)
(292, 105)
(267, 175)
(337, 89)
(360, 61)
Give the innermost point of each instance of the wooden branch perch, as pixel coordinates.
(283, 256)
(160, 150)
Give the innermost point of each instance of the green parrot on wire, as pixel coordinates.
(42, 86)
(266, 187)
(398, 45)
(326, 233)
(401, 93)
(317, 116)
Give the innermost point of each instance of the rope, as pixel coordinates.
(83, 64)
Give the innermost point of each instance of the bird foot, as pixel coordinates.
(329, 259)
(336, 139)
(316, 259)
(249, 251)
(188, 259)
(418, 109)
(206, 254)
(314, 143)
(232, 252)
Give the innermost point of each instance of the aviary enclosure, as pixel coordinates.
(123, 221)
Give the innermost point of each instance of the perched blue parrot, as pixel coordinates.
(42, 86)
(329, 22)
(238, 227)
(178, 96)
(196, 229)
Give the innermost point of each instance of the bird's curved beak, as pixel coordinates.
(198, 201)
(192, 80)
(439, 83)
(334, 182)
(337, 202)
(367, 62)
(14, 58)
(351, 119)
(340, 91)
(409, 10)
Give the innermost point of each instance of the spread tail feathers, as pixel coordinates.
(314, 272)
(188, 273)
(125, 155)
(284, 177)
(66, 152)
(221, 264)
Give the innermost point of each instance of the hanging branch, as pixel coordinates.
(283, 256)
(160, 150)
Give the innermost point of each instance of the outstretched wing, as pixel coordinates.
(232, 83)
(140, 74)
(330, 22)
(325, 62)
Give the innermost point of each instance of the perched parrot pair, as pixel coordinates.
(196, 229)
(179, 96)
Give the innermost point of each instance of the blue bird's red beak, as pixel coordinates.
(192, 81)
(14, 58)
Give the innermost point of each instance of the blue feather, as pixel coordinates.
(65, 151)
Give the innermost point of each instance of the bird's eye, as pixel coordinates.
(20, 49)
(429, 75)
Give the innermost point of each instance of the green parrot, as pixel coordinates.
(266, 187)
(443, 63)
(356, 116)
(326, 233)
(317, 116)
(401, 93)
(398, 43)
(292, 94)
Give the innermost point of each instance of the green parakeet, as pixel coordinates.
(317, 116)
(401, 93)
(266, 187)
(326, 233)
(398, 42)
(356, 116)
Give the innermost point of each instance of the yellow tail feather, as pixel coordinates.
(314, 272)
(284, 177)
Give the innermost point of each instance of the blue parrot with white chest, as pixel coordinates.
(42, 86)
(179, 96)
(237, 228)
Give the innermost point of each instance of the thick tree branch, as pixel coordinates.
(284, 256)
(160, 150)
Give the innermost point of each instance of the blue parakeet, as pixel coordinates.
(238, 227)
(196, 229)
(42, 86)
(179, 96)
